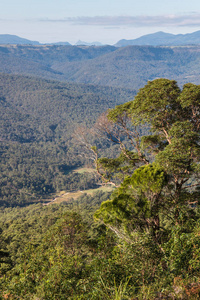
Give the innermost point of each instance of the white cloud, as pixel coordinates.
(192, 19)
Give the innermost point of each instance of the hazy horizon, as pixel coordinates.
(90, 21)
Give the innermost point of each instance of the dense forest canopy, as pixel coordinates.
(45, 110)
(129, 67)
(156, 187)
(144, 242)
(37, 120)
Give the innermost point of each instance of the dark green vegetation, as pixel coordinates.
(37, 120)
(54, 252)
(145, 241)
(129, 67)
(159, 178)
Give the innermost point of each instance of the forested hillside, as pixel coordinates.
(36, 109)
(42, 61)
(37, 119)
(129, 67)
(143, 242)
(140, 241)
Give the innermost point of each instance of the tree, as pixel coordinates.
(160, 186)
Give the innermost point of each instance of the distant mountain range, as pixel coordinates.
(14, 39)
(59, 44)
(163, 39)
(6, 39)
(155, 39)
(79, 43)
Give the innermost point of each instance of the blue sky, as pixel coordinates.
(106, 21)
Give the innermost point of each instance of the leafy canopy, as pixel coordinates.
(158, 134)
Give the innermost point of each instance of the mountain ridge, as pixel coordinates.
(161, 38)
(14, 39)
(127, 67)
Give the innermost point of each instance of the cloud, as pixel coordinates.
(192, 19)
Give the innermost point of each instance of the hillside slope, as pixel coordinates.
(37, 120)
(34, 105)
(163, 39)
(14, 39)
(129, 67)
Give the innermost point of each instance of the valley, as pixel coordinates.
(127, 67)
(99, 172)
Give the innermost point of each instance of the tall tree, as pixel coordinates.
(161, 167)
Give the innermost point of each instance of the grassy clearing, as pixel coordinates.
(84, 170)
(63, 196)
(66, 196)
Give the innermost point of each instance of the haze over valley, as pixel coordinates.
(99, 150)
(128, 67)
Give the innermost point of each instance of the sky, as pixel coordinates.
(106, 21)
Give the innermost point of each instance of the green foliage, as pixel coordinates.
(147, 178)
(56, 253)
(183, 252)
(137, 203)
(37, 120)
(158, 204)
(156, 104)
(190, 96)
(152, 249)
(157, 193)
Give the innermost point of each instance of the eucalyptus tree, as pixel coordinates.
(157, 171)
